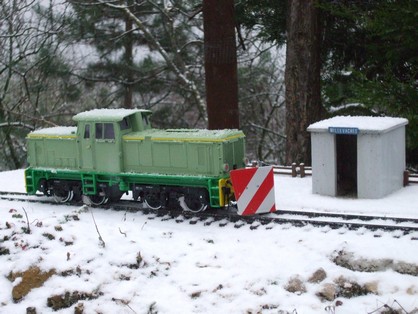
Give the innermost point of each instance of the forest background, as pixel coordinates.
(60, 57)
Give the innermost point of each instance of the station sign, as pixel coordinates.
(345, 131)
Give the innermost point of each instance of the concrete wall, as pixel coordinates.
(381, 162)
(369, 165)
(324, 176)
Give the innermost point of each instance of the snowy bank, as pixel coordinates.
(145, 265)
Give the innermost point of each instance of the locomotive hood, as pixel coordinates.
(185, 135)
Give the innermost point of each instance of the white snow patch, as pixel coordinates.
(59, 130)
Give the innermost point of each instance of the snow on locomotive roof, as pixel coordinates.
(59, 131)
(186, 135)
(363, 123)
(107, 114)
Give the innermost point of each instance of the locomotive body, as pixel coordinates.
(114, 151)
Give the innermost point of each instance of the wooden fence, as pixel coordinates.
(409, 178)
(294, 170)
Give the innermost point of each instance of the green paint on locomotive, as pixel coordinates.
(119, 148)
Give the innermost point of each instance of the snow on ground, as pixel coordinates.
(160, 266)
(296, 193)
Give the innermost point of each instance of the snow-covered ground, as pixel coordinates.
(143, 265)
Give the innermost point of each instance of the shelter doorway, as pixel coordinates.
(346, 165)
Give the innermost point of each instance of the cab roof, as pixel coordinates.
(108, 115)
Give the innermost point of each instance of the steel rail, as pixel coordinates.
(225, 216)
(348, 216)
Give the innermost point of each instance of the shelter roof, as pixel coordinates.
(364, 124)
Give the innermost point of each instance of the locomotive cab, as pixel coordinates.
(100, 132)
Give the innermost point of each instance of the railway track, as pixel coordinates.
(399, 225)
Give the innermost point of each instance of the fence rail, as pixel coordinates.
(410, 178)
(294, 170)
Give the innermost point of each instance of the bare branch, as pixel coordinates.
(102, 242)
(33, 118)
(268, 130)
(181, 74)
(17, 124)
(27, 220)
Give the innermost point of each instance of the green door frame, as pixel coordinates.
(87, 151)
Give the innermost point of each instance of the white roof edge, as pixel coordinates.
(364, 124)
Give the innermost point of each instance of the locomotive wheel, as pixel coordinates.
(193, 202)
(63, 196)
(96, 200)
(153, 201)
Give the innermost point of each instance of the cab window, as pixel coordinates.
(99, 131)
(145, 120)
(109, 132)
(124, 124)
(105, 131)
(87, 131)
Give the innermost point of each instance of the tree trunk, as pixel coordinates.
(220, 64)
(302, 78)
(128, 58)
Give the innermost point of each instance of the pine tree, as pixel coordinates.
(160, 64)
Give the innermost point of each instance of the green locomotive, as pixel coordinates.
(116, 151)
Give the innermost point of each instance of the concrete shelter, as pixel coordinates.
(359, 156)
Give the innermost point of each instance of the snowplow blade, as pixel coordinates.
(254, 190)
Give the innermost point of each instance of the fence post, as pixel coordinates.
(294, 174)
(405, 178)
(302, 170)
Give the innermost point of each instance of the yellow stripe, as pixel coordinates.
(132, 138)
(225, 183)
(52, 136)
(173, 139)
